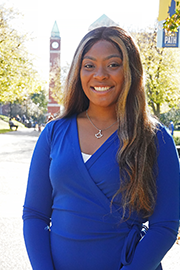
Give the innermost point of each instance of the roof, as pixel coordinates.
(55, 31)
(102, 21)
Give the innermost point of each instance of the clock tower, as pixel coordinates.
(55, 45)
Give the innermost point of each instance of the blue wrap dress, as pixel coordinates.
(68, 221)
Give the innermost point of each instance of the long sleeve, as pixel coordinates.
(164, 223)
(37, 206)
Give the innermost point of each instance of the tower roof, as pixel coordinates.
(55, 31)
(102, 21)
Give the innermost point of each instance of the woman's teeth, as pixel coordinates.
(102, 88)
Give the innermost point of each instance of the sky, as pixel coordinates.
(73, 18)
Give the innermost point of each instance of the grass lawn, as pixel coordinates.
(4, 124)
(176, 137)
(176, 133)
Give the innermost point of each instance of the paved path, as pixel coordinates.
(15, 154)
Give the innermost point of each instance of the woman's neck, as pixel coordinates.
(101, 114)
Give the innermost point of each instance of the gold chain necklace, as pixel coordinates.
(99, 134)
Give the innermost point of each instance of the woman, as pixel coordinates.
(103, 169)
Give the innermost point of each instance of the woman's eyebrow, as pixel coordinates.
(108, 57)
(89, 57)
(113, 56)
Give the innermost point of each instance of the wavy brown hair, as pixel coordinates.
(137, 152)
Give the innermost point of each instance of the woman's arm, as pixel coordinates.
(38, 206)
(164, 223)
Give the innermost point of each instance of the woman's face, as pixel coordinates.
(102, 74)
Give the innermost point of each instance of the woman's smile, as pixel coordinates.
(101, 89)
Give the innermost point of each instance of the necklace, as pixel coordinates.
(99, 134)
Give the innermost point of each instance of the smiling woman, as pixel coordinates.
(103, 169)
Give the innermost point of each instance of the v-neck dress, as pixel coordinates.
(69, 223)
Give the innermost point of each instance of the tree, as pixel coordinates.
(57, 80)
(161, 68)
(173, 114)
(36, 105)
(55, 84)
(172, 23)
(40, 99)
(18, 78)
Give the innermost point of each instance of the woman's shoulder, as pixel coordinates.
(60, 122)
(163, 132)
(59, 125)
(165, 139)
(160, 131)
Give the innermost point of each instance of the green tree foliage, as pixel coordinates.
(171, 115)
(162, 69)
(36, 105)
(40, 99)
(57, 79)
(55, 84)
(172, 23)
(18, 78)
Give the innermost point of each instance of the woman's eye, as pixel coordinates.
(88, 66)
(114, 65)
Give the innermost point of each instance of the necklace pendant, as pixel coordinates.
(99, 134)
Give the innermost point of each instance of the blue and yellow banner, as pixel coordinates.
(166, 8)
(164, 39)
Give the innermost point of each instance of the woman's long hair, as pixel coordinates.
(137, 152)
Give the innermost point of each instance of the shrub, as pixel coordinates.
(176, 140)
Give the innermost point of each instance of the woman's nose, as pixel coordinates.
(100, 74)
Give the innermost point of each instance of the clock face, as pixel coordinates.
(55, 45)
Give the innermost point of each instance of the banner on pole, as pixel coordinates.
(164, 39)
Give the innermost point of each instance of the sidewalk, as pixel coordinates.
(15, 153)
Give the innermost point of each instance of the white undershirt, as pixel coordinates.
(85, 157)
